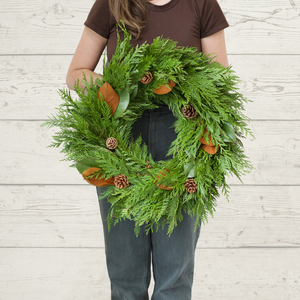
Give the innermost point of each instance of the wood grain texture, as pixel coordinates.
(51, 241)
(55, 26)
(69, 216)
(29, 85)
(274, 154)
(76, 274)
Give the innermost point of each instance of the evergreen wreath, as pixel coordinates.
(95, 132)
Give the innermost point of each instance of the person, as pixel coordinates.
(195, 23)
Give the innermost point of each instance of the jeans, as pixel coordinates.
(128, 258)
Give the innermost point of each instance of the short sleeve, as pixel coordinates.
(99, 18)
(212, 18)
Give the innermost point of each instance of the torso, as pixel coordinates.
(174, 19)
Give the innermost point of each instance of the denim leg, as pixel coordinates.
(128, 258)
(172, 257)
(173, 260)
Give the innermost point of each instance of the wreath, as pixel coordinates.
(95, 132)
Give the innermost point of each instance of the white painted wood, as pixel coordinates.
(69, 216)
(76, 274)
(53, 273)
(29, 85)
(47, 26)
(51, 234)
(27, 160)
(55, 26)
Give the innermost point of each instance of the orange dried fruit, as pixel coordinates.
(110, 96)
(210, 149)
(160, 175)
(164, 89)
(97, 181)
(202, 140)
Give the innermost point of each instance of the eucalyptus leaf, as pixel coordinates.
(189, 154)
(123, 102)
(190, 169)
(225, 138)
(134, 93)
(228, 128)
(81, 167)
(85, 164)
(192, 172)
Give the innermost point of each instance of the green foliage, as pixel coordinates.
(86, 123)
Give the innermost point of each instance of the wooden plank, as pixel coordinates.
(68, 216)
(261, 27)
(27, 160)
(37, 27)
(55, 27)
(29, 85)
(53, 274)
(65, 274)
(50, 216)
(247, 274)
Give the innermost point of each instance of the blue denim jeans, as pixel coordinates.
(128, 258)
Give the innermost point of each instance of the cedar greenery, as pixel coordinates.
(85, 125)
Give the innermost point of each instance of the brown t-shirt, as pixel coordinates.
(184, 21)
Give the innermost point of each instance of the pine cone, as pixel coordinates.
(111, 143)
(121, 181)
(190, 186)
(189, 111)
(147, 78)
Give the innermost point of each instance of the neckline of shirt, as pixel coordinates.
(164, 7)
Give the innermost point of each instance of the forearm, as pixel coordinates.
(73, 76)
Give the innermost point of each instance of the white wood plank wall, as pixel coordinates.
(50, 228)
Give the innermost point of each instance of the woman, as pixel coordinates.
(197, 23)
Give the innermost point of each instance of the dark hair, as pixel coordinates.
(132, 12)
